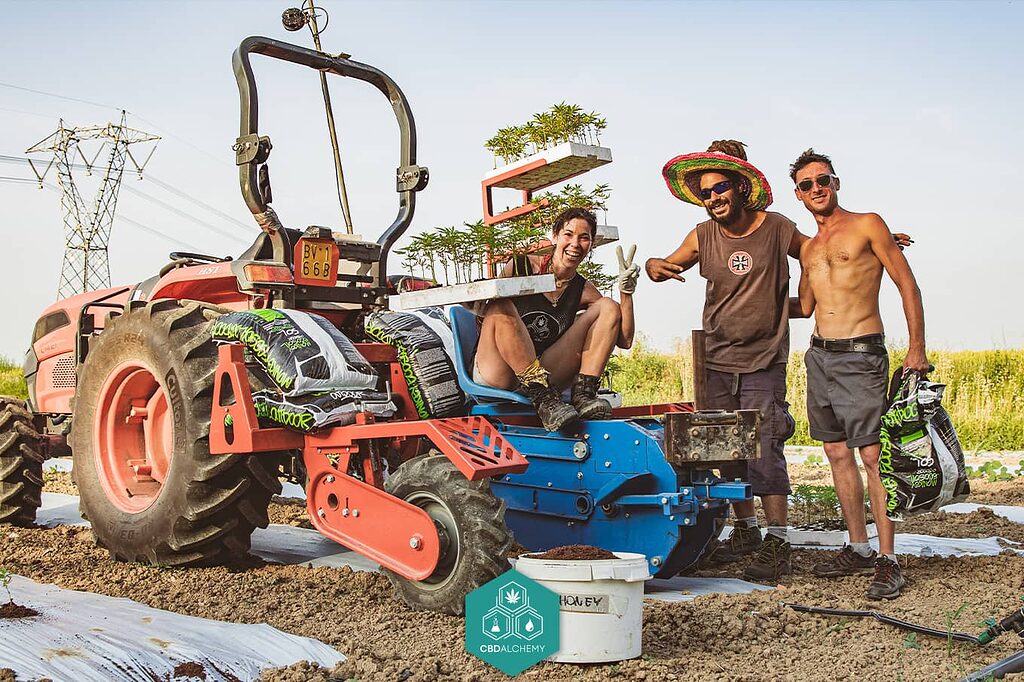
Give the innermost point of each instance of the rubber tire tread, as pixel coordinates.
(21, 464)
(209, 504)
(480, 516)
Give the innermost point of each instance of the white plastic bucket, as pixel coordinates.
(601, 605)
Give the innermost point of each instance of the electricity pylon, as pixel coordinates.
(87, 229)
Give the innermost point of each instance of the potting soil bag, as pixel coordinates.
(319, 410)
(921, 463)
(300, 352)
(426, 350)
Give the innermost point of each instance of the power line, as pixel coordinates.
(179, 212)
(7, 158)
(64, 97)
(152, 230)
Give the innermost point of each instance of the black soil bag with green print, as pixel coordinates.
(423, 339)
(921, 464)
(319, 410)
(300, 352)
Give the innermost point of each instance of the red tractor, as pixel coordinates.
(174, 468)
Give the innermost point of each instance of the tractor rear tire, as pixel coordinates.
(471, 520)
(21, 464)
(170, 502)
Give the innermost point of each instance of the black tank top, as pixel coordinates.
(544, 320)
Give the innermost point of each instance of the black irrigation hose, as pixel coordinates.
(1014, 663)
(943, 634)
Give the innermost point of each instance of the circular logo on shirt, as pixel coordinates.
(740, 262)
(540, 325)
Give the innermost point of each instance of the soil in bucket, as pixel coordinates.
(575, 553)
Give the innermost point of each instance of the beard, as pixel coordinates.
(730, 218)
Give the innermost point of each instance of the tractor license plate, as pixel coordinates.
(316, 262)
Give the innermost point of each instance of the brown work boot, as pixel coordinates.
(888, 581)
(585, 400)
(774, 559)
(847, 562)
(742, 541)
(553, 413)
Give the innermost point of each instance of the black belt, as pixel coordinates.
(871, 343)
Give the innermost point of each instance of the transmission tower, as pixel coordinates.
(87, 229)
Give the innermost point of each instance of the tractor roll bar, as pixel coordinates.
(251, 150)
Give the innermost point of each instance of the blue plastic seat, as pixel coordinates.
(466, 335)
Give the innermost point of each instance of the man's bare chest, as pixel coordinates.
(837, 252)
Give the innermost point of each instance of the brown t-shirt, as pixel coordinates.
(746, 308)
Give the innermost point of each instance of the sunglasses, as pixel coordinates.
(719, 188)
(822, 180)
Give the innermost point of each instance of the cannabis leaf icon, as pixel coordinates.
(512, 597)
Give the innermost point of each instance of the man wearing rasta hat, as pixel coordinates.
(743, 254)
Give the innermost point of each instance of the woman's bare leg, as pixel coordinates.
(586, 345)
(505, 347)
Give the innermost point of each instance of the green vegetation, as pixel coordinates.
(560, 123)
(12, 381)
(983, 390)
(5, 582)
(455, 255)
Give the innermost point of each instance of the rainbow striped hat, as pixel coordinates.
(682, 175)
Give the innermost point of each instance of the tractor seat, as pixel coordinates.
(466, 335)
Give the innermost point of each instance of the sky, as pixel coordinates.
(917, 103)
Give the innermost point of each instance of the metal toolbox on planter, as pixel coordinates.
(712, 436)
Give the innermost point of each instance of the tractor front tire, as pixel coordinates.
(21, 464)
(471, 523)
(140, 440)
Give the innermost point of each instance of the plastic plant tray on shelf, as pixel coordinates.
(502, 287)
(537, 171)
(549, 166)
(606, 234)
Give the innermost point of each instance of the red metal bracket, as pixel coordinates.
(233, 423)
(397, 535)
(473, 445)
(487, 185)
(650, 410)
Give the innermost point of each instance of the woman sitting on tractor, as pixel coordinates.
(542, 342)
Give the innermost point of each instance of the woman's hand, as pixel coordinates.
(629, 272)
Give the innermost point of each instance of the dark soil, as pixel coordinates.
(517, 550)
(575, 553)
(12, 610)
(190, 669)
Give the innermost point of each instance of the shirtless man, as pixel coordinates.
(847, 364)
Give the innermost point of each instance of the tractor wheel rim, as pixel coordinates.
(451, 550)
(134, 436)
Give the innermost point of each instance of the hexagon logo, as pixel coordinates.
(513, 597)
(497, 623)
(529, 624)
(512, 623)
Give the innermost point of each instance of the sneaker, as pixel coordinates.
(847, 562)
(742, 541)
(774, 559)
(888, 581)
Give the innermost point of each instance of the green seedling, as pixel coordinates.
(910, 641)
(5, 581)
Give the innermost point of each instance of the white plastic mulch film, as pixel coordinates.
(81, 637)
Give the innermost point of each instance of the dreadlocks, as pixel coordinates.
(730, 147)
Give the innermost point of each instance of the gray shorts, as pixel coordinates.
(846, 395)
(763, 390)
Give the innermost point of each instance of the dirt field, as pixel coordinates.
(716, 637)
